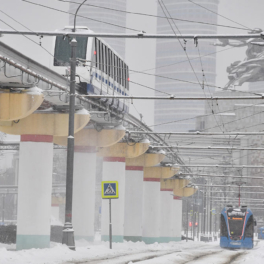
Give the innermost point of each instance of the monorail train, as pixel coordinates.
(237, 228)
(99, 70)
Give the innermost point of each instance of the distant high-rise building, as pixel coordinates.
(173, 63)
(95, 14)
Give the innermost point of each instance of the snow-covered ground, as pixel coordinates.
(128, 252)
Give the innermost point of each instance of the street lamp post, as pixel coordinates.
(68, 232)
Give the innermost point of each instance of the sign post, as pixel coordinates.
(110, 191)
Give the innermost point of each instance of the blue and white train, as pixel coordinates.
(237, 228)
(100, 70)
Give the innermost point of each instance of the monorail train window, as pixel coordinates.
(109, 62)
(112, 64)
(115, 67)
(96, 52)
(123, 73)
(103, 57)
(119, 71)
(100, 55)
(62, 52)
(249, 230)
(223, 227)
(106, 60)
(127, 78)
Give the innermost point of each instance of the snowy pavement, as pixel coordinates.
(127, 253)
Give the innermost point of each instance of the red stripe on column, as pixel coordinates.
(177, 198)
(166, 190)
(85, 149)
(152, 179)
(36, 138)
(134, 168)
(114, 159)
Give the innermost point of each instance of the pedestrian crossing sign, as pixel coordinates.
(110, 190)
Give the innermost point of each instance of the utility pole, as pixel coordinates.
(68, 231)
(187, 221)
(204, 212)
(210, 211)
(3, 208)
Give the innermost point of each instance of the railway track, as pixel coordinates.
(200, 255)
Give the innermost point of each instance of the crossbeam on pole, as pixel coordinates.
(224, 176)
(173, 97)
(208, 148)
(223, 166)
(198, 133)
(233, 186)
(135, 35)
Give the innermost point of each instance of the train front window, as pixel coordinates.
(62, 52)
(236, 226)
(236, 219)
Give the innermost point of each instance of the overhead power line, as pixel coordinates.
(61, 11)
(220, 15)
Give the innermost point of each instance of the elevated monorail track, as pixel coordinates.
(55, 86)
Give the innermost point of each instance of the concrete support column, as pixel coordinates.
(151, 210)
(34, 191)
(84, 192)
(166, 213)
(133, 203)
(151, 201)
(176, 218)
(114, 170)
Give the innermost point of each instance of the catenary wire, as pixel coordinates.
(220, 15)
(65, 12)
(185, 51)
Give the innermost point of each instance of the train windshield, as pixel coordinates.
(236, 219)
(62, 52)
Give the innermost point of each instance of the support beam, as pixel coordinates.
(34, 192)
(151, 201)
(46, 123)
(83, 203)
(15, 106)
(134, 193)
(86, 143)
(114, 170)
